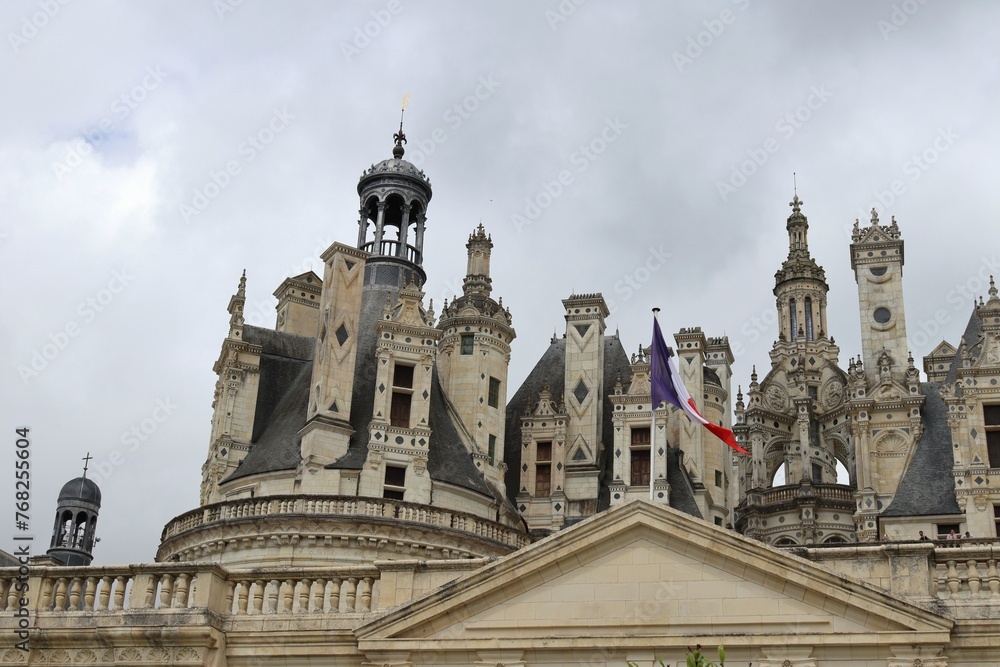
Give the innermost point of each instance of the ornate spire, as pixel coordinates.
(993, 303)
(236, 304)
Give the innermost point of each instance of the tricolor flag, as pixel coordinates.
(666, 386)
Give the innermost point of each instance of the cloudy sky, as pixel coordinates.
(152, 151)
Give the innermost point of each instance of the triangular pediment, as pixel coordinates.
(944, 349)
(308, 277)
(642, 571)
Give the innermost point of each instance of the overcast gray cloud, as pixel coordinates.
(152, 151)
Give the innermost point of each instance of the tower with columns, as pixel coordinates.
(795, 421)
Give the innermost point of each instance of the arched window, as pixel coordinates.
(809, 318)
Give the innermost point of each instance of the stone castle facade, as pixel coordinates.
(375, 494)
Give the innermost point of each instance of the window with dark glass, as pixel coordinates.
(991, 415)
(395, 482)
(543, 479)
(467, 343)
(817, 473)
(640, 454)
(793, 319)
(813, 432)
(493, 450)
(809, 318)
(543, 451)
(943, 530)
(718, 478)
(494, 395)
(640, 467)
(543, 468)
(402, 396)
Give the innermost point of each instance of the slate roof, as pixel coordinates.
(551, 368)
(283, 398)
(927, 486)
(973, 339)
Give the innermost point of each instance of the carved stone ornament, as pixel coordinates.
(777, 398)
(833, 393)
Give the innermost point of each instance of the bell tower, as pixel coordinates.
(877, 261)
(73, 535)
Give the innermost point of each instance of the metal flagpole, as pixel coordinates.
(652, 425)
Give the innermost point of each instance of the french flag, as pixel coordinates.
(666, 387)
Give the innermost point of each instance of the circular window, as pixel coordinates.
(882, 315)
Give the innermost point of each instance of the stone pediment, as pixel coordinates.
(944, 349)
(308, 277)
(642, 575)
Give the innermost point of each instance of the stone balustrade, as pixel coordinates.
(967, 571)
(344, 506)
(962, 575)
(189, 586)
(784, 494)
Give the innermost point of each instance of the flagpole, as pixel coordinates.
(652, 425)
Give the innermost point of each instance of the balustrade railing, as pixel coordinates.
(67, 590)
(344, 506)
(391, 248)
(782, 494)
(967, 572)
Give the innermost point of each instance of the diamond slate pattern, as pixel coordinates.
(580, 391)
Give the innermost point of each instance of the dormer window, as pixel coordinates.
(991, 418)
(402, 396)
(395, 482)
